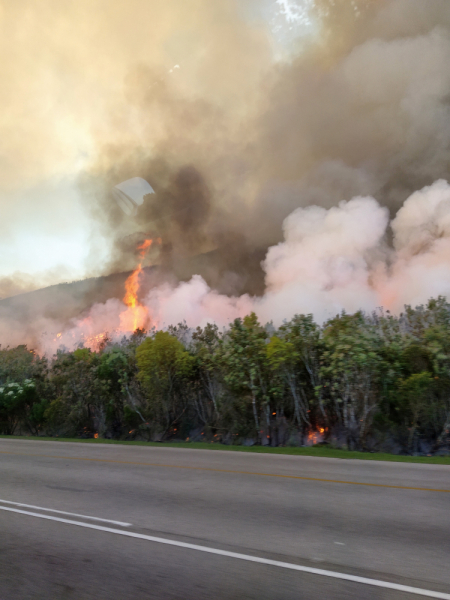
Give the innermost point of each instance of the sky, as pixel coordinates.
(47, 234)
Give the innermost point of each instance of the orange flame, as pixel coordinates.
(144, 246)
(136, 315)
(94, 342)
(315, 437)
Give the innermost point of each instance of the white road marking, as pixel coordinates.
(247, 557)
(339, 543)
(62, 512)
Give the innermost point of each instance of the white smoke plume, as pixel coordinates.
(330, 260)
(334, 260)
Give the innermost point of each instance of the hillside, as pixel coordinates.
(67, 300)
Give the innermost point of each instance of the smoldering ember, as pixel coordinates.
(252, 250)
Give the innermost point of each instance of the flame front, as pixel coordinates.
(136, 315)
(94, 335)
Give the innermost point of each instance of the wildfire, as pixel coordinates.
(93, 333)
(136, 315)
(94, 342)
(315, 437)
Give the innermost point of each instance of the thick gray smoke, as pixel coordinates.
(330, 260)
(281, 184)
(361, 109)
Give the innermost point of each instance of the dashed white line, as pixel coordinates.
(62, 512)
(256, 559)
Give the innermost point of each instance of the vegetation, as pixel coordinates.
(360, 382)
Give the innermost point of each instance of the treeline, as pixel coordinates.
(369, 382)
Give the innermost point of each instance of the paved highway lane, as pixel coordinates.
(384, 522)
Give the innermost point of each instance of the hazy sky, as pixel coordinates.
(47, 121)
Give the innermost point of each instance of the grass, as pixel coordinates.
(320, 451)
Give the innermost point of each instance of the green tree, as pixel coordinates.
(125, 403)
(14, 400)
(165, 368)
(206, 348)
(285, 363)
(81, 392)
(246, 367)
(352, 366)
(302, 367)
(437, 341)
(416, 395)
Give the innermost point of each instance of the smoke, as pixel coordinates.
(330, 260)
(90, 90)
(368, 112)
(285, 178)
(21, 283)
(361, 108)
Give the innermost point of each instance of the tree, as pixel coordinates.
(80, 392)
(23, 376)
(284, 361)
(416, 393)
(165, 367)
(305, 338)
(206, 348)
(16, 364)
(357, 374)
(124, 402)
(14, 398)
(352, 366)
(437, 341)
(244, 357)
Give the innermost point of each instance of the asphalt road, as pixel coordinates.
(307, 513)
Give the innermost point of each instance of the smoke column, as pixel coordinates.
(312, 178)
(332, 260)
(360, 108)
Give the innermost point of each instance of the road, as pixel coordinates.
(196, 524)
